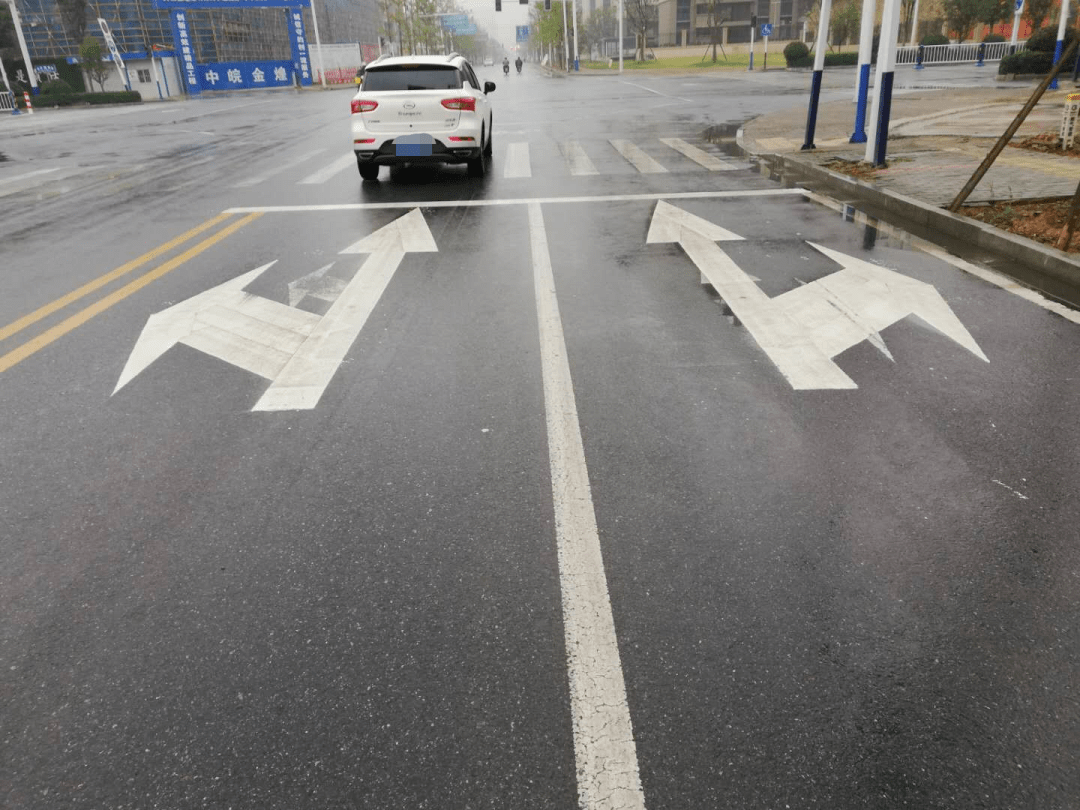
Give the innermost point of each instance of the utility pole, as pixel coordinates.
(620, 34)
(577, 53)
(32, 74)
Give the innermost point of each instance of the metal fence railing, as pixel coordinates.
(7, 101)
(955, 53)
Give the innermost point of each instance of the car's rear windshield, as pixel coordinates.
(412, 77)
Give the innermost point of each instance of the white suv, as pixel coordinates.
(421, 109)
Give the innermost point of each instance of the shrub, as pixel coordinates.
(1045, 39)
(57, 88)
(839, 59)
(934, 39)
(795, 51)
(1026, 62)
(993, 38)
(57, 99)
(72, 74)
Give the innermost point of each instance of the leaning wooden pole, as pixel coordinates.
(1070, 226)
(988, 161)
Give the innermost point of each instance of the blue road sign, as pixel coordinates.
(454, 20)
(1019, 6)
(212, 4)
(766, 29)
(523, 33)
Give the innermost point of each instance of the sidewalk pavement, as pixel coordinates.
(937, 139)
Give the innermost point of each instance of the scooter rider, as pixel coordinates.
(517, 64)
(506, 66)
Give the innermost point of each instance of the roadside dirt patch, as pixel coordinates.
(1040, 220)
(1046, 143)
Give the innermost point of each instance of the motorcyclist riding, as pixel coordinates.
(506, 66)
(517, 63)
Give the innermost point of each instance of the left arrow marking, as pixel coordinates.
(225, 322)
(298, 351)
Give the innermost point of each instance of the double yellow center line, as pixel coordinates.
(20, 353)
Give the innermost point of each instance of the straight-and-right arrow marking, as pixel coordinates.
(802, 330)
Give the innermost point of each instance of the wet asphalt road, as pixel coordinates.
(865, 597)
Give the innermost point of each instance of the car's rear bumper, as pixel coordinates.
(387, 153)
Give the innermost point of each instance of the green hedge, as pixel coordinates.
(122, 97)
(56, 100)
(63, 99)
(1026, 62)
(1045, 39)
(831, 60)
(934, 39)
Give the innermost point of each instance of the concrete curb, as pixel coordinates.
(1054, 263)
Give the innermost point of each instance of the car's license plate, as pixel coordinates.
(413, 149)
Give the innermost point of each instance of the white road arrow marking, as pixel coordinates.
(304, 378)
(316, 285)
(260, 335)
(297, 350)
(802, 330)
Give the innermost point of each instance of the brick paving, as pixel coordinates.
(937, 140)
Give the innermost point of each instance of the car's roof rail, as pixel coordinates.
(452, 55)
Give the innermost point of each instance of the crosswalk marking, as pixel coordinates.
(699, 156)
(280, 167)
(517, 160)
(326, 172)
(640, 161)
(576, 158)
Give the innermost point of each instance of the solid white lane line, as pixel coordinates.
(638, 159)
(19, 177)
(517, 160)
(656, 92)
(604, 748)
(326, 172)
(700, 156)
(576, 158)
(266, 175)
(659, 195)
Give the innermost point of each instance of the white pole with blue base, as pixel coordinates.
(819, 68)
(883, 83)
(866, 47)
(1061, 38)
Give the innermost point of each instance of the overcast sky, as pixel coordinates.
(501, 25)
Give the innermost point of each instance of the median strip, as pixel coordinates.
(17, 355)
(99, 282)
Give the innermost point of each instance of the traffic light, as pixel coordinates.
(753, 19)
(547, 5)
(498, 5)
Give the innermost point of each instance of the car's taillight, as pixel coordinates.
(464, 103)
(362, 105)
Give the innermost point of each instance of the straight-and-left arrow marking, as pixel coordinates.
(304, 378)
(297, 350)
